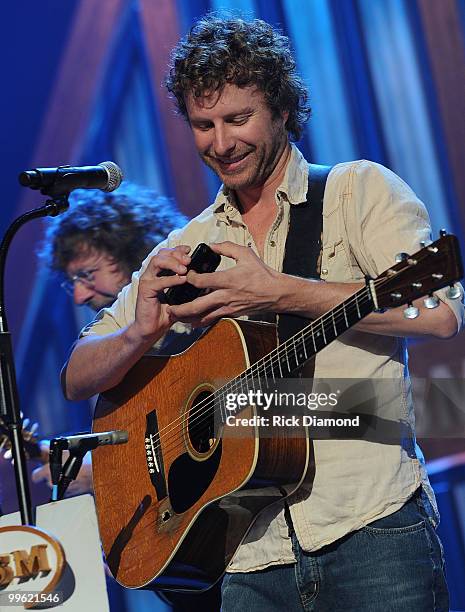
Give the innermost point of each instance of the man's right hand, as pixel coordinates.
(152, 317)
(99, 362)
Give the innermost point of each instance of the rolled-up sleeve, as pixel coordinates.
(389, 219)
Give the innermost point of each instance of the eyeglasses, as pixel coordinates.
(86, 277)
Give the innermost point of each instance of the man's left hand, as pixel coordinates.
(249, 287)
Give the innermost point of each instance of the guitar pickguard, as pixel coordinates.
(188, 479)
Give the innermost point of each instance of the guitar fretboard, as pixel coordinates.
(289, 356)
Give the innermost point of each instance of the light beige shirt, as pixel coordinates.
(369, 215)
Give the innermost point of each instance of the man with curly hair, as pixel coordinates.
(360, 535)
(104, 237)
(95, 247)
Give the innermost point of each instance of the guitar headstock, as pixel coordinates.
(414, 276)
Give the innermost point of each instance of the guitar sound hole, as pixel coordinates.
(201, 423)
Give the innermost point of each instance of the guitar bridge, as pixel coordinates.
(154, 455)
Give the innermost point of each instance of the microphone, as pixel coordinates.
(89, 441)
(59, 181)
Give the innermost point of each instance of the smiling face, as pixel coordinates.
(237, 136)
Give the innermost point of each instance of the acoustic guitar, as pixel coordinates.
(175, 502)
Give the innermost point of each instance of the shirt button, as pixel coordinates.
(272, 243)
(324, 272)
(249, 244)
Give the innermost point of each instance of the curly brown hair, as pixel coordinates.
(126, 225)
(220, 50)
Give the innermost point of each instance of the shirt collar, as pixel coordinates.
(293, 187)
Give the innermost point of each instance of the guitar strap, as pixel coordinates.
(303, 243)
(301, 258)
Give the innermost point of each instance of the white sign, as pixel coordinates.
(58, 564)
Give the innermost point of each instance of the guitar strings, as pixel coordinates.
(199, 414)
(198, 411)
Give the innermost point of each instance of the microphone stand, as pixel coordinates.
(9, 404)
(70, 470)
(63, 475)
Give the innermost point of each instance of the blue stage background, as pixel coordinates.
(82, 84)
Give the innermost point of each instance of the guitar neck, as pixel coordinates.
(300, 348)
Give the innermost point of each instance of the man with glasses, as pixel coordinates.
(95, 247)
(104, 237)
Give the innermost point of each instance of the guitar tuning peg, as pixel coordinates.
(454, 292)
(411, 312)
(424, 243)
(442, 232)
(401, 257)
(26, 423)
(431, 301)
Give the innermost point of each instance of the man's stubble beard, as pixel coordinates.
(260, 171)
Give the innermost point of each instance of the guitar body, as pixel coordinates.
(175, 501)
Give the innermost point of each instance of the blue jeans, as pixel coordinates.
(394, 564)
